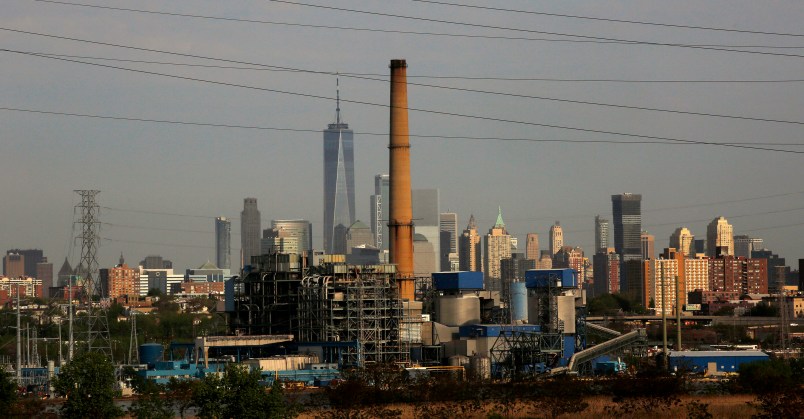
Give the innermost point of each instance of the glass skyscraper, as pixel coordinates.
(250, 229)
(339, 181)
(223, 243)
(627, 212)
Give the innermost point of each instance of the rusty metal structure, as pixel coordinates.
(400, 223)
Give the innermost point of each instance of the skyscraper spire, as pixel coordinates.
(337, 100)
(499, 222)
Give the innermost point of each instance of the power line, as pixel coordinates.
(278, 68)
(478, 25)
(384, 134)
(517, 95)
(636, 22)
(593, 40)
(262, 67)
(435, 112)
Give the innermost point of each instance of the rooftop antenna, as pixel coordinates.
(337, 99)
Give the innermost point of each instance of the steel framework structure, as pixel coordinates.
(98, 339)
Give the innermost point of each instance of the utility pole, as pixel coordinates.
(664, 320)
(61, 360)
(132, 345)
(19, 340)
(71, 344)
(678, 316)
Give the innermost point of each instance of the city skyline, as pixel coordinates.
(207, 171)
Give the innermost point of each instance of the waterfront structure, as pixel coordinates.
(719, 235)
(648, 245)
(601, 234)
(250, 229)
(379, 211)
(532, 247)
(744, 245)
(682, 240)
(223, 242)
(469, 254)
(556, 238)
(496, 247)
(627, 214)
(339, 180)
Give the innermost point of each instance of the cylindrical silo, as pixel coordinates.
(519, 302)
(151, 353)
(480, 367)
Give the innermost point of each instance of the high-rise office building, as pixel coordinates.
(448, 226)
(719, 235)
(571, 257)
(358, 234)
(648, 242)
(496, 247)
(158, 262)
(31, 258)
(556, 238)
(532, 247)
(469, 248)
(744, 245)
(339, 180)
(44, 272)
(425, 207)
(302, 231)
(250, 229)
(14, 265)
(223, 243)
(627, 214)
(545, 260)
(379, 211)
(606, 267)
(601, 234)
(683, 241)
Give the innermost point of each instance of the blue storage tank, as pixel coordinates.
(542, 278)
(519, 301)
(151, 353)
(456, 281)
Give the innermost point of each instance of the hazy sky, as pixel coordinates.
(201, 172)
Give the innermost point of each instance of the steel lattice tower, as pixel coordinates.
(97, 323)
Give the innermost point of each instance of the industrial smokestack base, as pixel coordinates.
(400, 223)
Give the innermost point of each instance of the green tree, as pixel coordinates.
(150, 404)
(8, 391)
(88, 382)
(180, 394)
(238, 394)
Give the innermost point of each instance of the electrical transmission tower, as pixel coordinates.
(97, 323)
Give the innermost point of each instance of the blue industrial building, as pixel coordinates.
(713, 361)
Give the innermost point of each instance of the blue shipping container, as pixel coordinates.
(542, 278)
(463, 280)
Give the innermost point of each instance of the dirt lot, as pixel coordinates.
(732, 406)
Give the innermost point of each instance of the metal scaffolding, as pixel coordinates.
(333, 302)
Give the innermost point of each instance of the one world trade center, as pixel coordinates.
(339, 183)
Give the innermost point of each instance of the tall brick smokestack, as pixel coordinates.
(400, 224)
